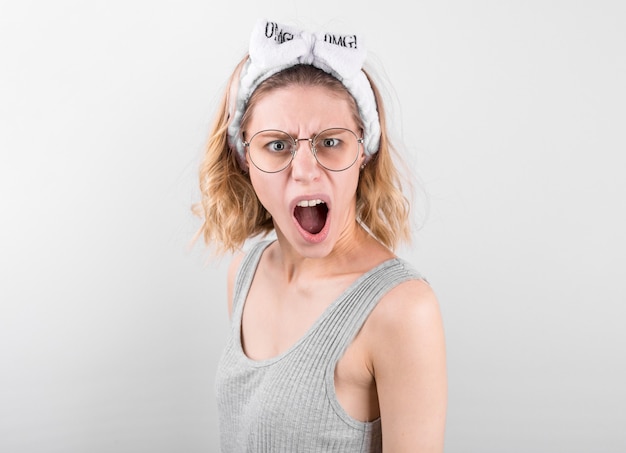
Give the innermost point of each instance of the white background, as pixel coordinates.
(514, 114)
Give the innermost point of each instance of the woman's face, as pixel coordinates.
(314, 230)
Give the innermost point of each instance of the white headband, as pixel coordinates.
(275, 47)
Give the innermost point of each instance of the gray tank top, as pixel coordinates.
(287, 403)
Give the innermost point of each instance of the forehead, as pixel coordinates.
(302, 108)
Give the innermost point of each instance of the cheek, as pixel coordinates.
(346, 189)
(257, 184)
(262, 188)
(355, 176)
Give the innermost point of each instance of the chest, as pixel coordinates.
(279, 322)
(275, 317)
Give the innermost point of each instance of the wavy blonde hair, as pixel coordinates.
(230, 210)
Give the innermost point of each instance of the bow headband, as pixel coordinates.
(275, 47)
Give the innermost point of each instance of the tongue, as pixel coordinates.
(313, 218)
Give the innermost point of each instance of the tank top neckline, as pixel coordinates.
(243, 294)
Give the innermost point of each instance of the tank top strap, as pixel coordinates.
(356, 304)
(245, 275)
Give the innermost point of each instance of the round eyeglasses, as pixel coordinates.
(335, 149)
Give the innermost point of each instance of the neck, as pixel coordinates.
(345, 253)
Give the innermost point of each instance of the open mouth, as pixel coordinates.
(311, 215)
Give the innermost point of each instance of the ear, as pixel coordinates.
(364, 160)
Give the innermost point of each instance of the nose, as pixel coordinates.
(304, 166)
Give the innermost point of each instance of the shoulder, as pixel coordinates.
(255, 250)
(234, 265)
(406, 326)
(409, 305)
(233, 268)
(251, 254)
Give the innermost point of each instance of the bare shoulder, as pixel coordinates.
(409, 304)
(233, 267)
(406, 325)
(407, 321)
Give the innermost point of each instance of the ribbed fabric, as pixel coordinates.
(287, 404)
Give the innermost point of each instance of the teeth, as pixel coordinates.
(308, 203)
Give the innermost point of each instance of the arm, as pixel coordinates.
(408, 359)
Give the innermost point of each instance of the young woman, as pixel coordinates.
(336, 344)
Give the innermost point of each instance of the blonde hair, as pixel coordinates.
(229, 207)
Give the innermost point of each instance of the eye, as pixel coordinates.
(329, 142)
(278, 146)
